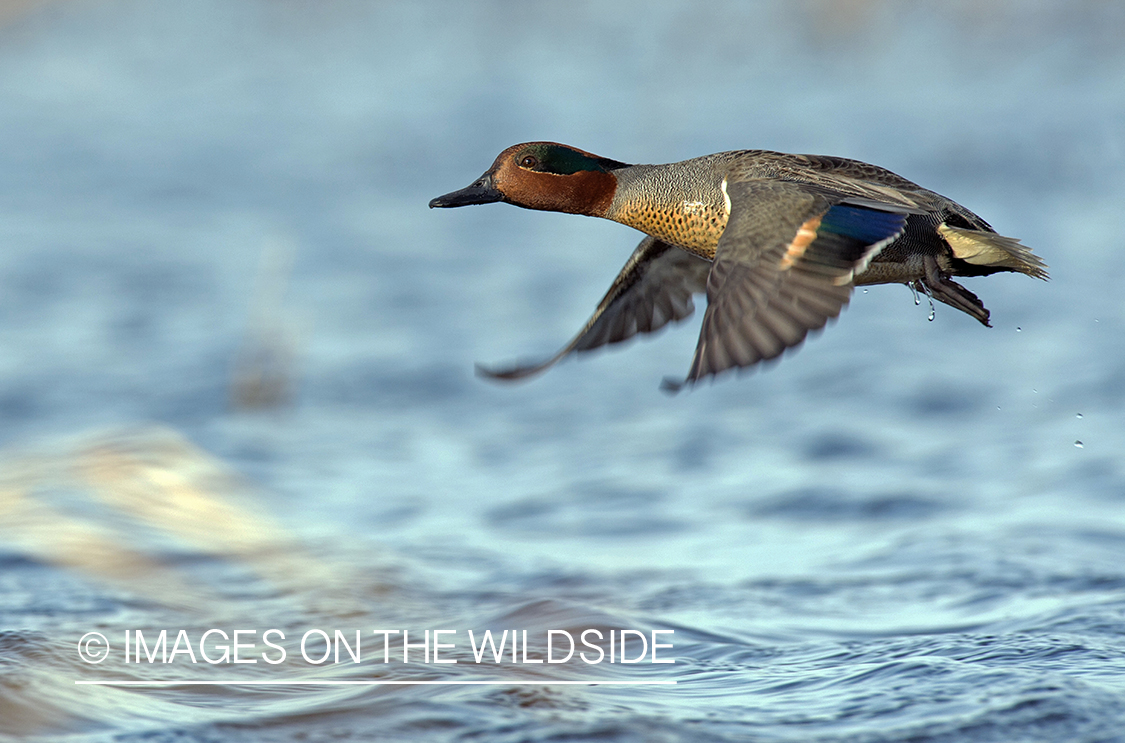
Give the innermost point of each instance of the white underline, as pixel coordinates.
(316, 682)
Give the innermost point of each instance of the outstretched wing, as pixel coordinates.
(784, 266)
(653, 288)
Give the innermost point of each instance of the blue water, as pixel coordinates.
(237, 391)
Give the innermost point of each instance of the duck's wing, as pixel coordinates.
(652, 289)
(784, 266)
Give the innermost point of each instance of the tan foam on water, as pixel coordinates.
(145, 484)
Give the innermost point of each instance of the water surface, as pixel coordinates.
(236, 384)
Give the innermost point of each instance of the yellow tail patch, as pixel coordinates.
(990, 249)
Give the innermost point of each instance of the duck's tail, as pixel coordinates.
(992, 250)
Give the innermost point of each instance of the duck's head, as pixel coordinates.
(543, 175)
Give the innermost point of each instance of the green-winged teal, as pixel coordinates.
(776, 241)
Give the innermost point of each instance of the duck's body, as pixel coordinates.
(777, 242)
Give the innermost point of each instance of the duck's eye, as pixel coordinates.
(529, 161)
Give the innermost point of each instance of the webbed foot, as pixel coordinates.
(945, 290)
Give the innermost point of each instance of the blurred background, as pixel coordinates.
(236, 371)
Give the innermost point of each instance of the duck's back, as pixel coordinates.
(854, 178)
(857, 179)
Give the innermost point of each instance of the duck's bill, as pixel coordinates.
(481, 192)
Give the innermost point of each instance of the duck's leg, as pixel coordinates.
(943, 289)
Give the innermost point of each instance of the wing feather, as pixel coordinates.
(654, 288)
(784, 267)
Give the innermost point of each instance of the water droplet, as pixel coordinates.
(864, 291)
(932, 313)
(1078, 444)
(1018, 329)
(1077, 415)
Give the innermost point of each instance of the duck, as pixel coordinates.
(777, 242)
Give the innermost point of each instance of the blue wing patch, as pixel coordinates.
(867, 226)
(839, 241)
